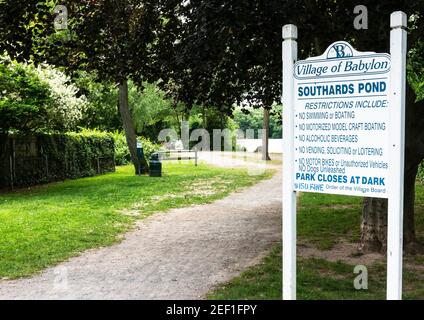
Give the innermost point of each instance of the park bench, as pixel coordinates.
(178, 155)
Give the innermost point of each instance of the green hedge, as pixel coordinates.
(31, 160)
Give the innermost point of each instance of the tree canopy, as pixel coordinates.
(229, 52)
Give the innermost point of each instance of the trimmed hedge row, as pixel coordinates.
(31, 160)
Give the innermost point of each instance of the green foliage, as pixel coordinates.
(210, 118)
(231, 52)
(67, 106)
(253, 119)
(24, 98)
(37, 99)
(122, 154)
(149, 147)
(45, 158)
(420, 173)
(416, 70)
(101, 111)
(22, 24)
(148, 107)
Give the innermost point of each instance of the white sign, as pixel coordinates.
(341, 102)
(336, 133)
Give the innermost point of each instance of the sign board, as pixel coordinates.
(341, 127)
(344, 133)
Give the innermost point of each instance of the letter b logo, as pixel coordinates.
(340, 53)
(339, 50)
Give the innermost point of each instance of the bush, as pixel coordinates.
(67, 105)
(35, 100)
(122, 154)
(31, 160)
(24, 98)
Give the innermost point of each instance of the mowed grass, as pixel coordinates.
(324, 220)
(45, 225)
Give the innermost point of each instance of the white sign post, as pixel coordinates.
(343, 131)
(398, 50)
(289, 195)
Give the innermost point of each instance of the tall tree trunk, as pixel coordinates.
(374, 225)
(265, 136)
(130, 134)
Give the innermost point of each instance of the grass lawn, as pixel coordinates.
(44, 225)
(324, 220)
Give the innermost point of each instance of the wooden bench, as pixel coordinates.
(178, 155)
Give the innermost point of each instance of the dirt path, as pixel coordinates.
(180, 254)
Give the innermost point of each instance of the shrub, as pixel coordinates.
(67, 107)
(31, 160)
(34, 100)
(122, 154)
(24, 98)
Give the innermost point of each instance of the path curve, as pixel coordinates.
(179, 254)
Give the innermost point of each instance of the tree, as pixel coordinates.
(148, 107)
(217, 63)
(113, 38)
(101, 111)
(250, 118)
(265, 135)
(232, 51)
